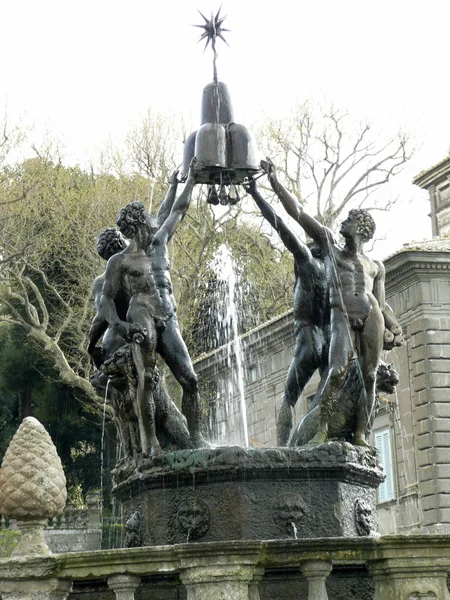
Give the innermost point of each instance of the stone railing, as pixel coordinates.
(74, 530)
(386, 568)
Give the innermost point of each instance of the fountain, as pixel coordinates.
(189, 492)
(216, 517)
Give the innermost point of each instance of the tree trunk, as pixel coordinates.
(25, 404)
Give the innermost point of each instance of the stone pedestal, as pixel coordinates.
(410, 579)
(124, 586)
(233, 493)
(316, 572)
(227, 582)
(32, 541)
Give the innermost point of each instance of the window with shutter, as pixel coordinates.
(383, 445)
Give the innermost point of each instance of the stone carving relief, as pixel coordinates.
(364, 518)
(192, 519)
(288, 511)
(133, 536)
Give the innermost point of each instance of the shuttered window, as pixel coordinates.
(383, 445)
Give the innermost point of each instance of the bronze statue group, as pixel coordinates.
(341, 318)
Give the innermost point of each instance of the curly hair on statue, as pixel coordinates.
(110, 242)
(129, 216)
(366, 224)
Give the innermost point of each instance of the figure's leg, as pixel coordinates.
(173, 350)
(306, 359)
(340, 354)
(144, 356)
(170, 420)
(371, 341)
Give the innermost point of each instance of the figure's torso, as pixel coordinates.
(146, 285)
(356, 274)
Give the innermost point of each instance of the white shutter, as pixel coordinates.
(383, 445)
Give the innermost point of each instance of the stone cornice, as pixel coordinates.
(433, 175)
(411, 262)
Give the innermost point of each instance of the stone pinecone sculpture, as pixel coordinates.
(32, 481)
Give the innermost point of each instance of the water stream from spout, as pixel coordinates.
(294, 529)
(102, 446)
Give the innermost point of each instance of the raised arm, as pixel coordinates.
(315, 230)
(167, 203)
(288, 237)
(179, 209)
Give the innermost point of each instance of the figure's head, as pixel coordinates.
(132, 216)
(359, 221)
(110, 242)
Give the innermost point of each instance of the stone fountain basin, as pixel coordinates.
(233, 493)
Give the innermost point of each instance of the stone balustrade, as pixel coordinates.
(386, 568)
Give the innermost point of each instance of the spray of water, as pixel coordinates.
(224, 266)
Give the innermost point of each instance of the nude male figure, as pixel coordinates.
(111, 242)
(151, 317)
(358, 310)
(311, 316)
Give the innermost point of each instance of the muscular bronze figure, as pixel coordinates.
(142, 273)
(114, 363)
(358, 311)
(111, 242)
(311, 315)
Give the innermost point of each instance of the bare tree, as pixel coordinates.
(152, 150)
(332, 163)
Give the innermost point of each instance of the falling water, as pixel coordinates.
(102, 444)
(224, 267)
(294, 530)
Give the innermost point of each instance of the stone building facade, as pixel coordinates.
(418, 418)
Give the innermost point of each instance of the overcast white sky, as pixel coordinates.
(88, 69)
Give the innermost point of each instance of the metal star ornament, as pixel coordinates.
(212, 30)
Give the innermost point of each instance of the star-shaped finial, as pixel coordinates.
(213, 29)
